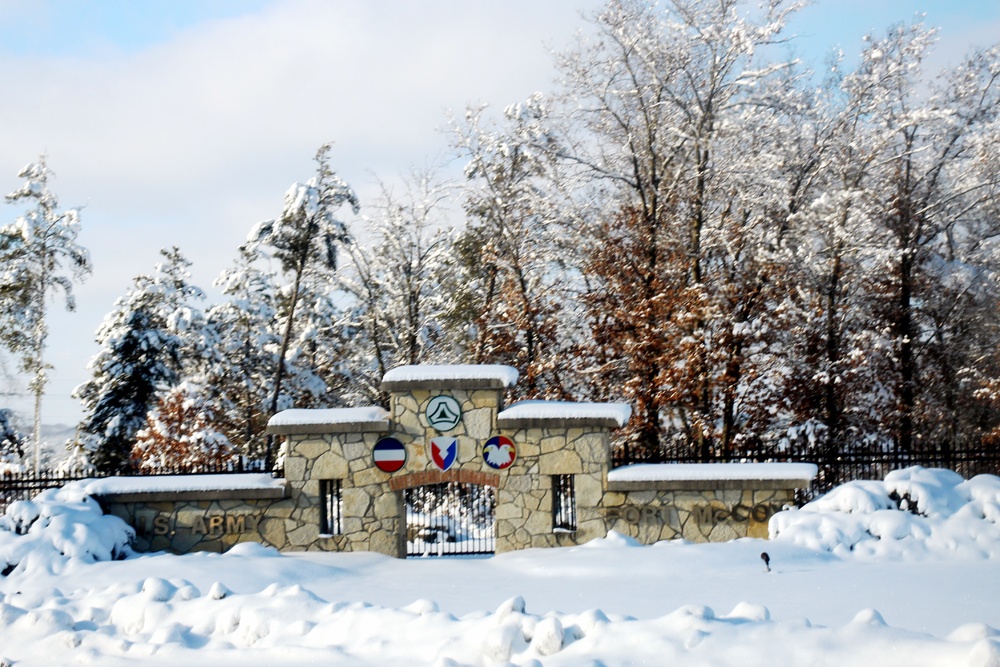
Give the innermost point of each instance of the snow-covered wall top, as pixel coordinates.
(699, 472)
(300, 416)
(170, 483)
(618, 413)
(450, 374)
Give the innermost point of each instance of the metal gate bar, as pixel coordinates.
(450, 519)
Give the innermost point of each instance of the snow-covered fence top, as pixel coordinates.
(329, 420)
(539, 414)
(181, 487)
(716, 475)
(452, 376)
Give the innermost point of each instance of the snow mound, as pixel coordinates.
(914, 513)
(57, 527)
(290, 625)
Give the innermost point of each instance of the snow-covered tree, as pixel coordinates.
(304, 241)
(400, 284)
(932, 204)
(11, 444)
(765, 261)
(898, 249)
(239, 381)
(181, 432)
(671, 113)
(39, 256)
(153, 336)
(514, 283)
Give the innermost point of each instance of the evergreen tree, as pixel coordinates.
(11, 444)
(144, 343)
(239, 382)
(39, 256)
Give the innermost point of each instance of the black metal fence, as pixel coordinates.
(26, 485)
(450, 519)
(860, 463)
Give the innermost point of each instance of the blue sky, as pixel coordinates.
(184, 121)
(87, 27)
(72, 28)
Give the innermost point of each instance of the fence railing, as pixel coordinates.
(837, 467)
(26, 485)
(450, 519)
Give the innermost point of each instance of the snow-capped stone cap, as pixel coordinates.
(301, 421)
(666, 476)
(450, 376)
(156, 488)
(539, 414)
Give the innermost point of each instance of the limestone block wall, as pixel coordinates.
(478, 423)
(182, 523)
(701, 512)
(524, 514)
(372, 516)
(551, 439)
(568, 440)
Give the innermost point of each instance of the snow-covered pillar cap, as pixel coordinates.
(564, 414)
(302, 421)
(458, 376)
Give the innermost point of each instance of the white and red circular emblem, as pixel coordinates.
(389, 455)
(499, 452)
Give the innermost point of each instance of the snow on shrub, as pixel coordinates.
(57, 526)
(913, 513)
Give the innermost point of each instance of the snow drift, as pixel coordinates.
(58, 526)
(254, 606)
(914, 513)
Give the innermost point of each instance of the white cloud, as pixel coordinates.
(193, 140)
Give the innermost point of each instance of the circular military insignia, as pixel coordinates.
(443, 413)
(499, 452)
(389, 455)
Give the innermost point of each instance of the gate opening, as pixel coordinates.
(450, 519)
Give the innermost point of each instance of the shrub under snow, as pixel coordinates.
(57, 526)
(913, 513)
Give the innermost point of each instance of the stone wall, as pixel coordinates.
(372, 516)
(551, 439)
(525, 498)
(197, 521)
(705, 515)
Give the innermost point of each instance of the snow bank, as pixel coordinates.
(172, 622)
(443, 372)
(913, 513)
(619, 412)
(58, 526)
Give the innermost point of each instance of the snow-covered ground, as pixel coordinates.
(854, 581)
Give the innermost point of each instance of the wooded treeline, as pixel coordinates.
(751, 254)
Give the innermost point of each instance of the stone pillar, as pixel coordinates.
(547, 447)
(372, 516)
